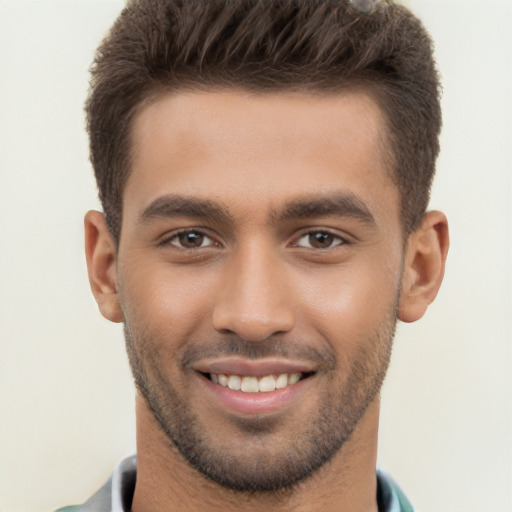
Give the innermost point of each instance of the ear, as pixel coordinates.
(100, 252)
(424, 265)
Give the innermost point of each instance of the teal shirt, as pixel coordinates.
(116, 495)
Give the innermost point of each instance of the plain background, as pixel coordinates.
(66, 396)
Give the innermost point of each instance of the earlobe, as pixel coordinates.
(424, 265)
(100, 251)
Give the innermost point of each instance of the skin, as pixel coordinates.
(270, 273)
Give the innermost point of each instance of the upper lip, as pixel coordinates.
(256, 368)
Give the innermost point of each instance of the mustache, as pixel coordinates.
(272, 347)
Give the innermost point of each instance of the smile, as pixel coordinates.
(243, 386)
(253, 393)
(253, 384)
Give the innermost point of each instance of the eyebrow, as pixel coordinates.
(172, 205)
(338, 204)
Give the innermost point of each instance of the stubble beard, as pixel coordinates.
(268, 466)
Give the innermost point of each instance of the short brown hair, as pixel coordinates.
(267, 45)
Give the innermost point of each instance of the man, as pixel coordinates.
(264, 169)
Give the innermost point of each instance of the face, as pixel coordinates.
(258, 273)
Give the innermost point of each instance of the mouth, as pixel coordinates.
(255, 384)
(243, 386)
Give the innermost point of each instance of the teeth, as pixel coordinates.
(255, 385)
(250, 385)
(234, 382)
(293, 379)
(282, 381)
(267, 383)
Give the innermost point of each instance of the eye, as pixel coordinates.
(319, 240)
(190, 239)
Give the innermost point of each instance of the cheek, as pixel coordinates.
(169, 303)
(351, 304)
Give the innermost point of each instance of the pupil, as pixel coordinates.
(321, 240)
(191, 239)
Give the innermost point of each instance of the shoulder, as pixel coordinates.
(101, 501)
(115, 495)
(390, 496)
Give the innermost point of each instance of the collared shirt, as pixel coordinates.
(116, 495)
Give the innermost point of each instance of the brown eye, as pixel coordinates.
(319, 240)
(191, 240)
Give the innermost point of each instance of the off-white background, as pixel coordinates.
(66, 398)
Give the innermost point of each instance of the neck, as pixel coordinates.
(166, 482)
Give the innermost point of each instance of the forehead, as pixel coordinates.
(251, 150)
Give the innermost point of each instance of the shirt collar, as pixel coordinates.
(389, 495)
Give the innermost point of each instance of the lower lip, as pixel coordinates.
(256, 403)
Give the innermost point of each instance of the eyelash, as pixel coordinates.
(340, 240)
(176, 237)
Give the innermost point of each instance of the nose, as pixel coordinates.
(255, 300)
